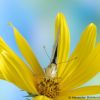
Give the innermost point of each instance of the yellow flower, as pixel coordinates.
(59, 81)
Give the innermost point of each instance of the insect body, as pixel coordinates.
(51, 70)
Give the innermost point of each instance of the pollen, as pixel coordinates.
(49, 87)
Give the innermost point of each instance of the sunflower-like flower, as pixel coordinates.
(58, 81)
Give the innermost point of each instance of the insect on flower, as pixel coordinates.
(64, 75)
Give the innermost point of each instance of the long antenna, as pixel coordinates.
(46, 52)
(68, 60)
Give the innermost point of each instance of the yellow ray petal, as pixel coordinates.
(61, 98)
(85, 91)
(41, 98)
(87, 70)
(82, 51)
(27, 52)
(15, 70)
(61, 29)
(1, 76)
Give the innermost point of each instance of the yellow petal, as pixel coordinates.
(87, 70)
(15, 70)
(82, 51)
(62, 31)
(61, 98)
(41, 98)
(1, 76)
(27, 52)
(85, 91)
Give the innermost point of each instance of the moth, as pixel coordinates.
(51, 70)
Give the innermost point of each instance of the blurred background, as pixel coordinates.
(35, 19)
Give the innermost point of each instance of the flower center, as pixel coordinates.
(49, 87)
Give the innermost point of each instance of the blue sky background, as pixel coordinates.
(35, 20)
